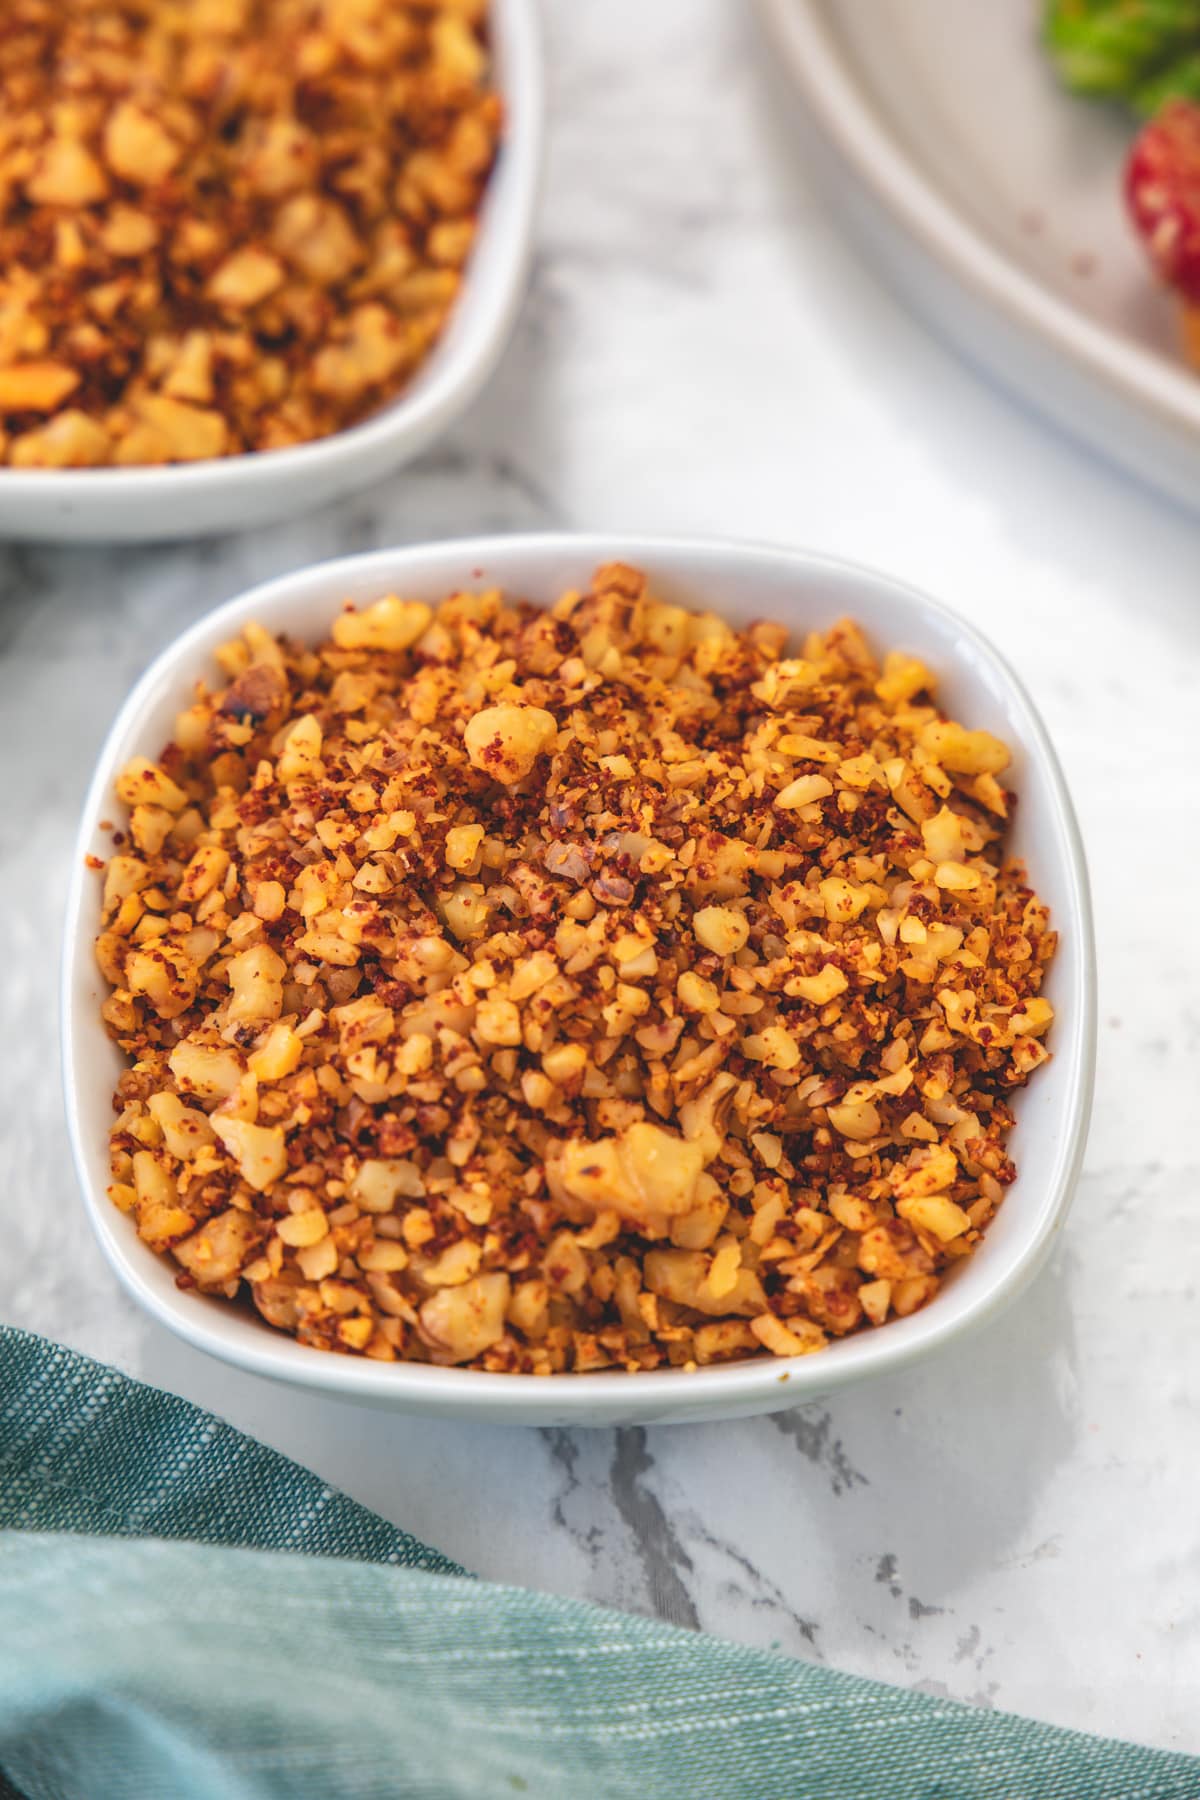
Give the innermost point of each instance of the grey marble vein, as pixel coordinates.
(811, 1430)
(655, 1538)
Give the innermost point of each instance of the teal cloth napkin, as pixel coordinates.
(185, 1615)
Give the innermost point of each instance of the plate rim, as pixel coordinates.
(800, 32)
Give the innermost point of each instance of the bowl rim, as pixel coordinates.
(418, 412)
(758, 1384)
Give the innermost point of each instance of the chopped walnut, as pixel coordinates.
(230, 226)
(592, 988)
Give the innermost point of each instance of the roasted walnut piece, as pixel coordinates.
(228, 225)
(599, 987)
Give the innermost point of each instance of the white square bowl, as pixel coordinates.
(742, 582)
(232, 492)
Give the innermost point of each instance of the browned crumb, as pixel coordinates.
(598, 987)
(228, 225)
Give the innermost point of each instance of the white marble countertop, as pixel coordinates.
(1017, 1524)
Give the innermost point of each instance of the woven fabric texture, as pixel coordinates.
(184, 1613)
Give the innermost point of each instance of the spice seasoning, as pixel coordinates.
(228, 225)
(571, 989)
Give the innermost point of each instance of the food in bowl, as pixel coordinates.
(229, 226)
(547, 990)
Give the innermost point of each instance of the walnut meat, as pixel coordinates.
(228, 227)
(548, 991)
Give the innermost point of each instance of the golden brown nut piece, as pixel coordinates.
(228, 226)
(543, 991)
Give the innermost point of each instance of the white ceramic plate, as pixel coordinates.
(230, 493)
(743, 583)
(993, 199)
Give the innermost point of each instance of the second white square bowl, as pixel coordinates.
(232, 492)
(741, 582)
